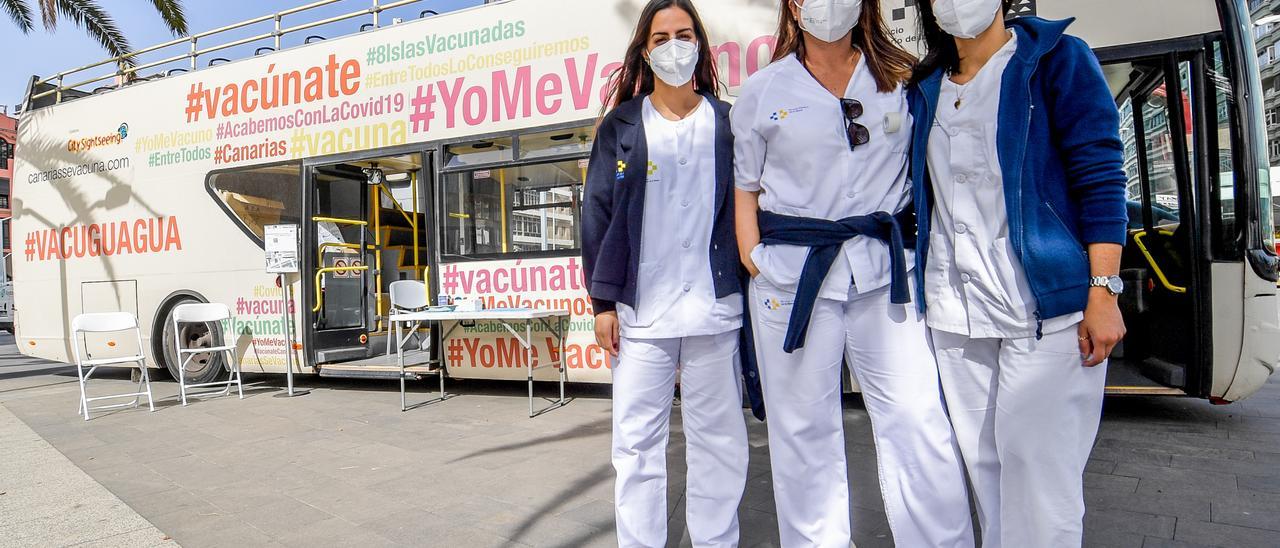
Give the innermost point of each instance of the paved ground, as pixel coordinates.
(344, 467)
(47, 501)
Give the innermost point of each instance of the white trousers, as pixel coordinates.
(887, 346)
(715, 431)
(1025, 413)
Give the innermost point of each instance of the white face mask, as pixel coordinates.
(674, 62)
(965, 18)
(829, 20)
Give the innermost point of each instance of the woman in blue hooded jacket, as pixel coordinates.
(1017, 169)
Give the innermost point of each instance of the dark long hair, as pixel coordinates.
(890, 65)
(940, 47)
(635, 78)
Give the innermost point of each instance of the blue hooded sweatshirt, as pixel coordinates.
(1058, 138)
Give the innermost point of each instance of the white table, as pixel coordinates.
(556, 321)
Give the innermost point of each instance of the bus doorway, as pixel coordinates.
(1176, 126)
(368, 227)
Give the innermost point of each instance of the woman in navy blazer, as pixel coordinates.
(661, 262)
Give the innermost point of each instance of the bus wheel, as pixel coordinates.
(200, 368)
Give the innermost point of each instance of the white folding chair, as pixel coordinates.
(406, 296)
(108, 322)
(214, 313)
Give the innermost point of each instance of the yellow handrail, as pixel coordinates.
(1137, 239)
(339, 221)
(322, 272)
(323, 246)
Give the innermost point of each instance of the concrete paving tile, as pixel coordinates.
(46, 501)
(1270, 439)
(1122, 523)
(349, 502)
(549, 530)
(334, 532)
(1180, 505)
(1265, 484)
(757, 528)
(1267, 457)
(1225, 535)
(1110, 482)
(1257, 516)
(594, 513)
(240, 497)
(1228, 466)
(1153, 457)
(1111, 539)
(148, 537)
(1160, 479)
(54, 518)
(1099, 466)
(1239, 423)
(422, 528)
(194, 473)
(100, 457)
(1166, 543)
(132, 480)
(758, 494)
(283, 516)
(164, 502)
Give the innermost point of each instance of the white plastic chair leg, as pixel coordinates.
(182, 380)
(146, 380)
(235, 364)
(84, 398)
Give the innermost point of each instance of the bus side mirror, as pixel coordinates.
(1265, 264)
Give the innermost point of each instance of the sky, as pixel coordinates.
(43, 53)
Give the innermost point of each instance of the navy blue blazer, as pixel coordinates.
(613, 208)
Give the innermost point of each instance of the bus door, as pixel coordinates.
(1176, 125)
(338, 236)
(368, 228)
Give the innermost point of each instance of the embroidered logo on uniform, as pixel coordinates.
(782, 113)
(622, 169)
(771, 303)
(653, 168)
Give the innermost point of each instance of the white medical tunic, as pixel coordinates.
(675, 294)
(790, 145)
(974, 282)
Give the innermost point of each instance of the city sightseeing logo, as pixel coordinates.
(89, 143)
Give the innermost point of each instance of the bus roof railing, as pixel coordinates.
(126, 71)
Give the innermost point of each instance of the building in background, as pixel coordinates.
(1266, 37)
(1266, 32)
(8, 137)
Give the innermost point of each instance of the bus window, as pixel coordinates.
(486, 151)
(1225, 232)
(557, 143)
(523, 210)
(260, 195)
(1162, 188)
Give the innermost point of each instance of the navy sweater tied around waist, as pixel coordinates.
(824, 239)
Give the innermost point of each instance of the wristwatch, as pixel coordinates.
(1114, 284)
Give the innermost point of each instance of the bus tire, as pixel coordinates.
(201, 368)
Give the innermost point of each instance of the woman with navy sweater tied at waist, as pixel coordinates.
(659, 253)
(823, 215)
(1020, 190)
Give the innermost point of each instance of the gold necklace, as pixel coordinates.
(961, 90)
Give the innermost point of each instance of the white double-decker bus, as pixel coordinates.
(452, 149)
